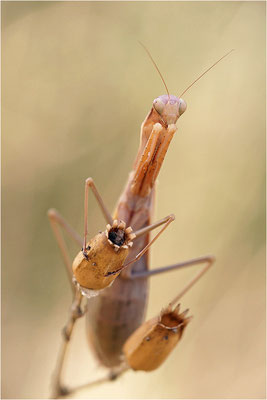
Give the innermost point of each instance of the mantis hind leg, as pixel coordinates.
(58, 223)
(208, 260)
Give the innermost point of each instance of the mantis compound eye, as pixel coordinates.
(158, 105)
(182, 106)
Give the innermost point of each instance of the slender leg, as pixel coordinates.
(166, 221)
(89, 183)
(155, 225)
(56, 220)
(194, 261)
(208, 260)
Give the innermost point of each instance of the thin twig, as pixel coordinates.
(58, 389)
(109, 378)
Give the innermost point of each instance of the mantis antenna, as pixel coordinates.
(155, 65)
(213, 65)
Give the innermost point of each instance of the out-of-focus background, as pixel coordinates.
(76, 86)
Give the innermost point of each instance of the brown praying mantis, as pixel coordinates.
(112, 268)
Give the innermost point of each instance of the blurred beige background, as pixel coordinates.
(76, 87)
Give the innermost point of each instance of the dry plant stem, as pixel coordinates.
(109, 378)
(58, 389)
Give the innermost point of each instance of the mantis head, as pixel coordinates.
(169, 107)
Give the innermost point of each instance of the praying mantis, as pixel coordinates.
(111, 269)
